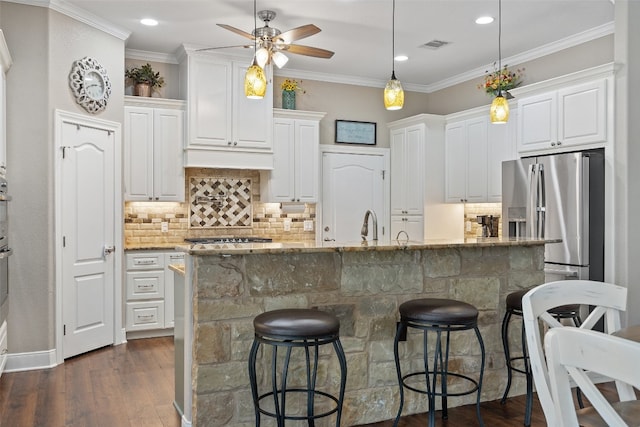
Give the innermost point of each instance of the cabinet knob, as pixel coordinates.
(229, 143)
(150, 198)
(235, 142)
(553, 144)
(157, 198)
(559, 143)
(293, 200)
(297, 200)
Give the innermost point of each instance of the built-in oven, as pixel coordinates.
(5, 251)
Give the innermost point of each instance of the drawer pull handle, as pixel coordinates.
(147, 286)
(145, 261)
(145, 316)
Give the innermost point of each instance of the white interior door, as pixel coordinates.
(351, 184)
(87, 195)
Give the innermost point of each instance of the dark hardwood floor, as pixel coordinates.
(132, 385)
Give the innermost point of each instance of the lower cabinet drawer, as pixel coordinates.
(145, 315)
(145, 284)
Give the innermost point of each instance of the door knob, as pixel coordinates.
(108, 249)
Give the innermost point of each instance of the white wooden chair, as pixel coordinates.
(607, 301)
(576, 352)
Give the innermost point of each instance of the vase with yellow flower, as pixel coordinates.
(501, 81)
(289, 88)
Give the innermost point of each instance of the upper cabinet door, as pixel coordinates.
(168, 170)
(281, 179)
(138, 153)
(307, 160)
(414, 170)
(252, 118)
(456, 163)
(501, 146)
(476, 159)
(210, 88)
(398, 175)
(538, 122)
(582, 112)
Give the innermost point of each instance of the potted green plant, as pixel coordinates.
(144, 79)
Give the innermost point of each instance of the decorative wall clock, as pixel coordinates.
(90, 84)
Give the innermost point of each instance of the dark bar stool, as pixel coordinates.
(296, 328)
(514, 308)
(437, 315)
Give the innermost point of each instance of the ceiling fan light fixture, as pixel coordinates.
(279, 58)
(262, 57)
(499, 111)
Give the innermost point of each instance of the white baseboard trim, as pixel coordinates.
(17, 362)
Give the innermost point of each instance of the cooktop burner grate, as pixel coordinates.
(220, 240)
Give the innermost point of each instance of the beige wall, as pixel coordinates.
(168, 71)
(43, 44)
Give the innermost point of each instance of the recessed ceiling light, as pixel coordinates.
(484, 20)
(401, 58)
(149, 22)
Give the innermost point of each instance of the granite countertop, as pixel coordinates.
(178, 268)
(151, 246)
(381, 245)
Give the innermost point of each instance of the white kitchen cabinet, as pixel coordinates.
(225, 129)
(574, 116)
(153, 166)
(475, 150)
(296, 141)
(466, 161)
(417, 180)
(149, 290)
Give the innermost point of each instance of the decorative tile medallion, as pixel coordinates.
(220, 202)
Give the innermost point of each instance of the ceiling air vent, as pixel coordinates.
(434, 44)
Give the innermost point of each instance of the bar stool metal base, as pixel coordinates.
(281, 392)
(439, 370)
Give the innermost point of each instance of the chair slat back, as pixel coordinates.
(577, 352)
(608, 301)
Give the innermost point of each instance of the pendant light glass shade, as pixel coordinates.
(393, 94)
(255, 82)
(499, 111)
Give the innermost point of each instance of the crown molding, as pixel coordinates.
(143, 55)
(79, 15)
(539, 52)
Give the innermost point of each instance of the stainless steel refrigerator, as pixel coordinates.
(559, 196)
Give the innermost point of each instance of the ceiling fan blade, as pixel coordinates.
(236, 30)
(308, 51)
(298, 33)
(246, 46)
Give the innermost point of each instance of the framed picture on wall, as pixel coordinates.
(354, 132)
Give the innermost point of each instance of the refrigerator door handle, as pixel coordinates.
(542, 202)
(531, 221)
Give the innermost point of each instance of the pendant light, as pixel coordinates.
(393, 92)
(255, 82)
(499, 111)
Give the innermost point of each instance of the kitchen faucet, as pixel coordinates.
(365, 225)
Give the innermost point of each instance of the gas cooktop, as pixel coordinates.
(219, 240)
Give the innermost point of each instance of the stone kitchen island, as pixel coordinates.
(226, 286)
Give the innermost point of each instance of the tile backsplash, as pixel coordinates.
(245, 214)
(471, 210)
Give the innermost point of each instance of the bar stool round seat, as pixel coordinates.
(306, 329)
(440, 316)
(514, 308)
